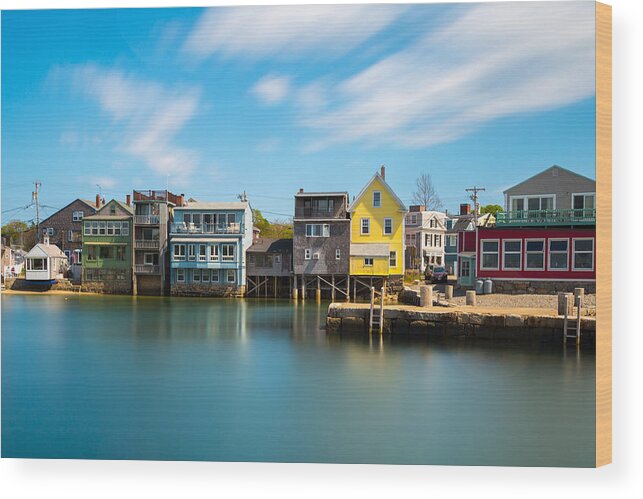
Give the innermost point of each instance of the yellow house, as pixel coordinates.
(377, 230)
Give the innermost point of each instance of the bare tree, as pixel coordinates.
(425, 193)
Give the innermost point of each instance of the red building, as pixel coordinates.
(543, 256)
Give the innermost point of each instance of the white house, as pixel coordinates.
(424, 237)
(45, 262)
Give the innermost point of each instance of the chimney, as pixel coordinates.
(103, 200)
(417, 208)
(301, 190)
(465, 209)
(128, 200)
(182, 200)
(97, 201)
(383, 172)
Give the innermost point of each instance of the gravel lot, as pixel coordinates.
(520, 301)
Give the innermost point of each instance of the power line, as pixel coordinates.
(474, 197)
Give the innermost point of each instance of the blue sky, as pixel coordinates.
(212, 102)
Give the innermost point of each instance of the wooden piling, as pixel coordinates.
(448, 291)
(426, 295)
(579, 292)
(370, 315)
(382, 298)
(318, 295)
(565, 304)
(332, 288)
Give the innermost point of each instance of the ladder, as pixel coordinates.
(376, 318)
(571, 325)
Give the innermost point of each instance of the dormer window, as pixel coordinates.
(377, 199)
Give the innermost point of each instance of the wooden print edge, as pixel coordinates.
(604, 234)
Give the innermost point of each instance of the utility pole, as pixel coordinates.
(34, 196)
(475, 190)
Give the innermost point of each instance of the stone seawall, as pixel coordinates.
(213, 290)
(441, 322)
(107, 287)
(541, 287)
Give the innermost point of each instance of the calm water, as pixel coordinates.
(195, 379)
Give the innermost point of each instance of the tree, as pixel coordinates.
(425, 193)
(494, 209)
(17, 232)
(279, 229)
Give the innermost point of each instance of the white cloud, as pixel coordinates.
(493, 61)
(287, 31)
(147, 115)
(104, 182)
(272, 89)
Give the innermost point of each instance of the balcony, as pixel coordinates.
(147, 269)
(147, 219)
(163, 196)
(314, 213)
(190, 228)
(527, 218)
(146, 244)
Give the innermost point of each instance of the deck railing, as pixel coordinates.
(191, 228)
(147, 269)
(301, 212)
(146, 244)
(164, 196)
(147, 219)
(547, 217)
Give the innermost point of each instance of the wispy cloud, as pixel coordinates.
(148, 115)
(271, 89)
(287, 31)
(493, 61)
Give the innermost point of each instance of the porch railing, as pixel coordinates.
(546, 217)
(147, 269)
(146, 244)
(147, 219)
(191, 228)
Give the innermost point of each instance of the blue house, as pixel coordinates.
(208, 243)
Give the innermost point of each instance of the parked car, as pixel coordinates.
(436, 274)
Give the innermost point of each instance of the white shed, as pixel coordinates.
(45, 262)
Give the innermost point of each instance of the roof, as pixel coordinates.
(221, 205)
(50, 250)
(370, 249)
(463, 222)
(89, 204)
(375, 177)
(545, 171)
(104, 209)
(266, 245)
(320, 194)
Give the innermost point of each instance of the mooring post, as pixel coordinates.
(426, 295)
(332, 288)
(295, 289)
(448, 292)
(303, 288)
(383, 297)
(370, 315)
(565, 304)
(318, 290)
(471, 297)
(348, 288)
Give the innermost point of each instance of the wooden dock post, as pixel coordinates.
(579, 292)
(448, 292)
(354, 290)
(382, 298)
(332, 288)
(370, 315)
(303, 288)
(318, 295)
(565, 304)
(426, 296)
(471, 297)
(295, 289)
(348, 288)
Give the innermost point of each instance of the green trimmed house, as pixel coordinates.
(107, 249)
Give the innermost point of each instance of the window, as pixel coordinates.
(215, 276)
(489, 255)
(110, 228)
(465, 268)
(196, 275)
(338, 254)
(180, 275)
(87, 229)
(377, 199)
(77, 216)
(512, 254)
(91, 253)
(428, 240)
(191, 252)
(432, 223)
(205, 276)
(532, 203)
(68, 254)
(317, 230)
(451, 240)
(105, 252)
(558, 254)
(414, 219)
(277, 259)
(48, 231)
(392, 259)
(214, 252)
(535, 254)
(36, 264)
(150, 258)
(94, 228)
(124, 228)
(583, 201)
(315, 256)
(368, 262)
(307, 254)
(112, 210)
(102, 228)
(388, 226)
(179, 252)
(227, 252)
(120, 253)
(366, 226)
(583, 254)
(202, 252)
(70, 235)
(230, 276)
